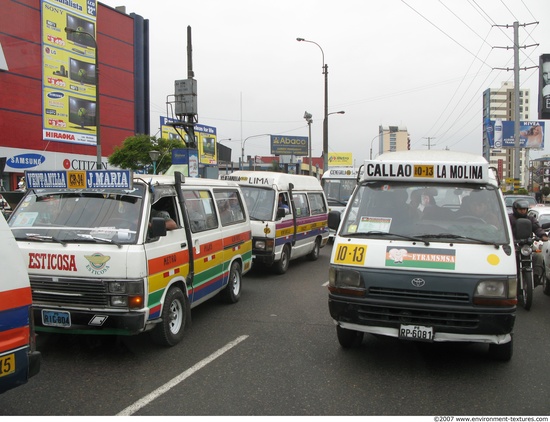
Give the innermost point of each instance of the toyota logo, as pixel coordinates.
(418, 282)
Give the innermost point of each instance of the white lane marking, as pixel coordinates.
(133, 408)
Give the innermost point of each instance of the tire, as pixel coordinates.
(502, 352)
(232, 292)
(348, 338)
(546, 285)
(525, 289)
(281, 266)
(314, 254)
(174, 315)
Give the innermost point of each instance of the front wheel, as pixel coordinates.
(525, 289)
(314, 254)
(545, 284)
(281, 266)
(348, 338)
(232, 292)
(501, 352)
(170, 331)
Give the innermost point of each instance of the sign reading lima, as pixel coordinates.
(91, 179)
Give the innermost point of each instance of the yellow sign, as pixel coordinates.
(350, 254)
(339, 159)
(424, 171)
(76, 179)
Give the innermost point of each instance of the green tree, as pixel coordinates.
(133, 154)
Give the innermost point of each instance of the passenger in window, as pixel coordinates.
(282, 204)
(170, 223)
(196, 218)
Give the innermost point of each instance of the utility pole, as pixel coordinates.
(516, 47)
(429, 138)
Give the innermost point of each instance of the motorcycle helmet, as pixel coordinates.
(520, 203)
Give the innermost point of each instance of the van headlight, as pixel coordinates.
(126, 294)
(491, 288)
(265, 245)
(496, 292)
(343, 278)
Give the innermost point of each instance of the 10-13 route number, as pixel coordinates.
(350, 254)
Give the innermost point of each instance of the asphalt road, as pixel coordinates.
(275, 352)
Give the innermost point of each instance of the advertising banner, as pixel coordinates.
(340, 159)
(544, 90)
(500, 134)
(205, 137)
(289, 145)
(69, 71)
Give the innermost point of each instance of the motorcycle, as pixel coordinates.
(526, 247)
(524, 262)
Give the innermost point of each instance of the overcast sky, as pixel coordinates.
(422, 64)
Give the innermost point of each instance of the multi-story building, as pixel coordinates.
(393, 138)
(499, 104)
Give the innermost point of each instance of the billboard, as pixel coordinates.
(500, 134)
(544, 84)
(205, 137)
(340, 159)
(289, 145)
(69, 72)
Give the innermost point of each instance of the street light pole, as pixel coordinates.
(325, 114)
(309, 120)
(154, 155)
(242, 147)
(378, 136)
(97, 120)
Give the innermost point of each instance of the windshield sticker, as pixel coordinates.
(441, 259)
(377, 224)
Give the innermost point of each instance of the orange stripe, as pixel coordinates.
(166, 262)
(16, 337)
(15, 298)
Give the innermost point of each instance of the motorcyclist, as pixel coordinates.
(519, 210)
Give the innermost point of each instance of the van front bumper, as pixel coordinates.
(94, 322)
(449, 323)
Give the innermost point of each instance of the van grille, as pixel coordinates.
(69, 291)
(419, 295)
(373, 314)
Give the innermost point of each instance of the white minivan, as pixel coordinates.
(288, 214)
(412, 259)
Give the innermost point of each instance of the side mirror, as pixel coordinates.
(281, 212)
(334, 219)
(158, 227)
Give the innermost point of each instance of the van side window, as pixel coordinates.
(317, 203)
(230, 206)
(199, 206)
(300, 202)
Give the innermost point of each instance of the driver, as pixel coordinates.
(519, 210)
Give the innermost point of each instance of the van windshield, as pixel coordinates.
(260, 202)
(68, 216)
(432, 212)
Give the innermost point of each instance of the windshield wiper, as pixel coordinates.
(98, 239)
(344, 203)
(458, 236)
(44, 238)
(380, 233)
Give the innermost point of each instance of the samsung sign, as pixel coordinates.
(289, 145)
(25, 161)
